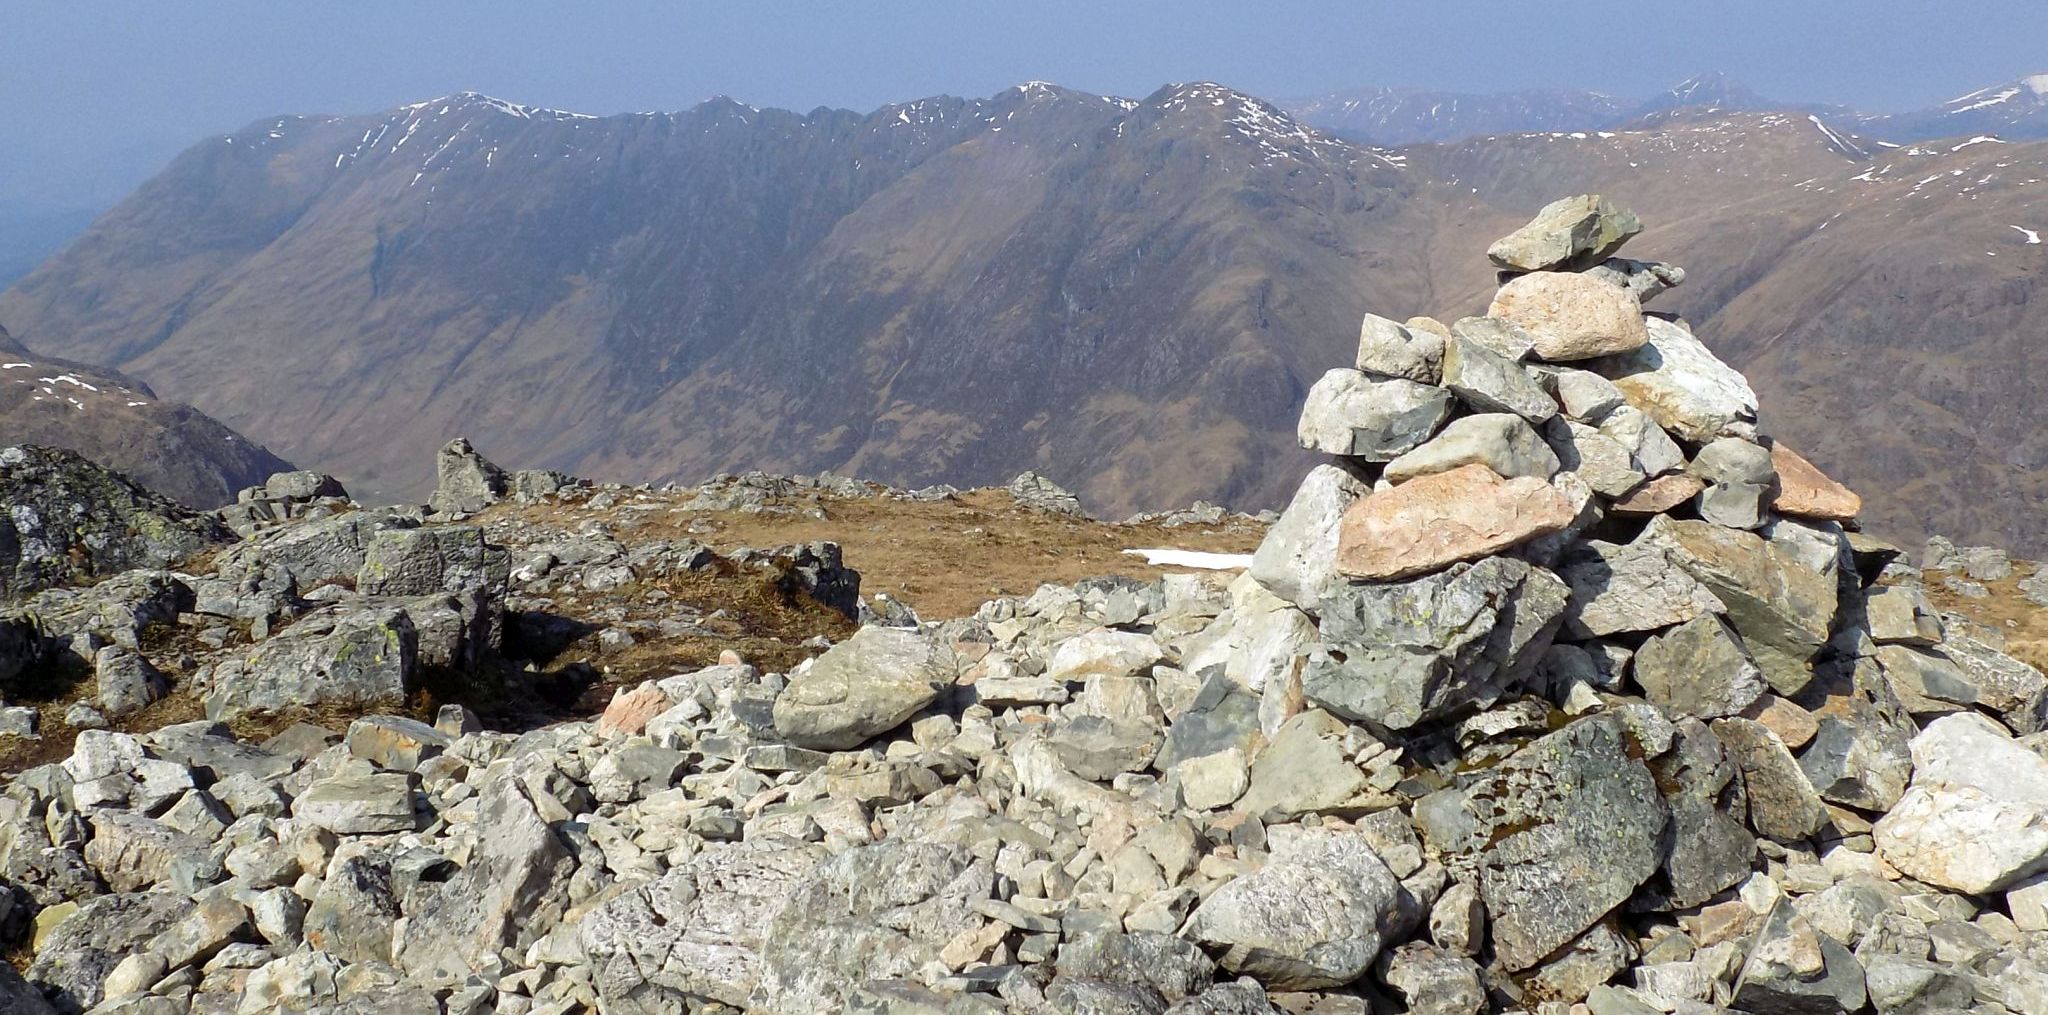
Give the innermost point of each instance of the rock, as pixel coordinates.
(1975, 817)
(1782, 610)
(1492, 333)
(1783, 805)
(69, 521)
(1103, 652)
(1387, 349)
(352, 914)
(1793, 968)
(1901, 614)
(133, 852)
(1574, 232)
(1556, 836)
(311, 553)
(2010, 689)
(358, 804)
(17, 997)
(1589, 960)
(698, 930)
(73, 961)
(1927, 684)
(1433, 981)
(302, 485)
(1437, 520)
(1710, 850)
(1404, 653)
(1222, 717)
(861, 688)
(1259, 642)
(1739, 479)
(1307, 769)
(366, 656)
(1900, 984)
(629, 712)
(212, 921)
(1041, 494)
(1860, 755)
(1680, 384)
(395, 742)
(1585, 396)
(1213, 781)
(1571, 317)
(1806, 492)
(467, 482)
(510, 892)
(1597, 459)
(1633, 587)
(1658, 495)
(127, 682)
(1699, 669)
(1491, 382)
(1501, 441)
(1349, 413)
(1298, 558)
(430, 559)
(1172, 966)
(1313, 917)
(1645, 279)
(1650, 449)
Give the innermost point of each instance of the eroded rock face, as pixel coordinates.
(66, 521)
(1437, 520)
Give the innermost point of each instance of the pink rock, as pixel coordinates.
(1572, 316)
(629, 711)
(1432, 522)
(1806, 492)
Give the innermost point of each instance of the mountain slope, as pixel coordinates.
(1130, 295)
(2016, 110)
(118, 422)
(1401, 116)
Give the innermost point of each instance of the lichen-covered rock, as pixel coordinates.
(66, 521)
(466, 482)
(1557, 836)
(73, 959)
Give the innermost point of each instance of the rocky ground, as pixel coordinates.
(1559, 689)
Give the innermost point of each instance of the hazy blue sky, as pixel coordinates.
(98, 93)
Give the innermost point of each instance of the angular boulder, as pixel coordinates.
(466, 482)
(1618, 589)
(1680, 384)
(1388, 349)
(1348, 413)
(364, 656)
(69, 521)
(1501, 441)
(1490, 382)
(1806, 492)
(1314, 917)
(861, 688)
(1574, 232)
(510, 892)
(1298, 558)
(1782, 608)
(1399, 654)
(1975, 817)
(1698, 669)
(1437, 520)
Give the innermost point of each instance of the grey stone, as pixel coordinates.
(1573, 232)
(1794, 969)
(69, 521)
(364, 656)
(303, 484)
(1172, 966)
(1263, 929)
(1709, 849)
(1901, 614)
(511, 891)
(1222, 717)
(1975, 818)
(1388, 349)
(1433, 981)
(1556, 836)
(72, 962)
(1860, 757)
(1042, 494)
(466, 482)
(1699, 669)
(1739, 478)
(1348, 413)
(1684, 387)
(127, 682)
(1503, 337)
(1591, 959)
(1650, 449)
(1646, 279)
(1632, 587)
(358, 804)
(2008, 688)
(1297, 560)
(352, 914)
(1782, 609)
(1491, 382)
(1783, 805)
(1307, 769)
(133, 852)
(1401, 653)
(1501, 441)
(861, 688)
(435, 558)
(1903, 985)
(1594, 457)
(1585, 397)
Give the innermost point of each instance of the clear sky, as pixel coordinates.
(97, 94)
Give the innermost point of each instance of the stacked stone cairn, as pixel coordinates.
(1560, 689)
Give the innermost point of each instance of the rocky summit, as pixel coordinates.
(1558, 688)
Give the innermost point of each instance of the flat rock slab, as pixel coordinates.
(1434, 521)
(1975, 817)
(1349, 413)
(1680, 383)
(1806, 492)
(861, 688)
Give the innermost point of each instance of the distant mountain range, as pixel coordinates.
(1394, 116)
(1131, 295)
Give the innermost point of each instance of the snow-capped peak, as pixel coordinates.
(2036, 83)
(465, 100)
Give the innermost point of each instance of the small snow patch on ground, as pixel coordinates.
(2033, 238)
(1163, 557)
(16, 366)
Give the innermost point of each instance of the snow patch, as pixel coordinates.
(16, 366)
(1167, 557)
(1979, 139)
(2033, 238)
